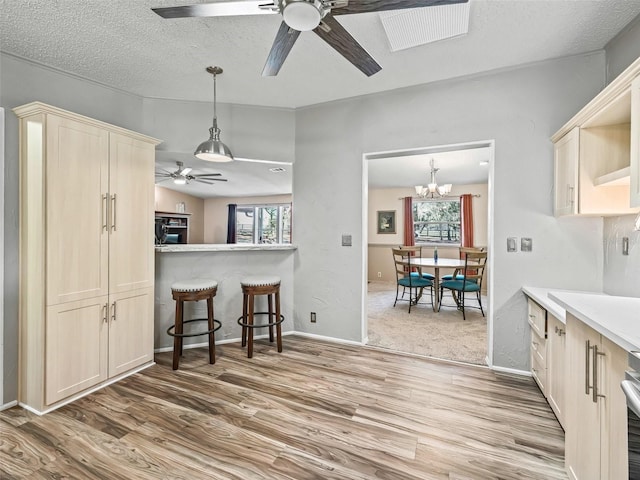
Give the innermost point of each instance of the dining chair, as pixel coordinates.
(471, 282)
(417, 251)
(402, 258)
(456, 273)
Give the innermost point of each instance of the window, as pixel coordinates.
(263, 223)
(436, 221)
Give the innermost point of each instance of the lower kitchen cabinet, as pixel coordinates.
(596, 441)
(90, 341)
(556, 373)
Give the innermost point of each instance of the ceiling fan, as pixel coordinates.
(183, 176)
(301, 16)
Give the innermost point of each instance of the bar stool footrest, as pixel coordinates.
(216, 327)
(271, 324)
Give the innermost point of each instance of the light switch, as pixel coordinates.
(346, 240)
(526, 244)
(512, 245)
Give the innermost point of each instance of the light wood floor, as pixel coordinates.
(315, 411)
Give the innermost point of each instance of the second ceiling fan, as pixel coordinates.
(304, 15)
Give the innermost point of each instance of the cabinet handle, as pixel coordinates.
(587, 347)
(570, 194)
(559, 331)
(105, 308)
(105, 214)
(113, 312)
(113, 212)
(596, 353)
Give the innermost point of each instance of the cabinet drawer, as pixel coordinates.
(539, 348)
(537, 318)
(539, 373)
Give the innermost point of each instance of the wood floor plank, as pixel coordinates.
(315, 411)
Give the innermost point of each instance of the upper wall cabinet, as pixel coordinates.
(596, 154)
(635, 143)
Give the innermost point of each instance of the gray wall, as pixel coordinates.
(622, 273)
(520, 109)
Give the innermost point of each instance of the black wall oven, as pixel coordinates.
(631, 388)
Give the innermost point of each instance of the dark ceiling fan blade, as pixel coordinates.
(332, 32)
(285, 38)
(365, 6)
(219, 9)
(200, 175)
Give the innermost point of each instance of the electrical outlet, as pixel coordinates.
(313, 317)
(379, 274)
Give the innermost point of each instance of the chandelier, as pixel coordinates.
(432, 187)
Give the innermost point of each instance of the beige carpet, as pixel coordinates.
(424, 332)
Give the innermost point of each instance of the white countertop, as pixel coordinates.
(223, 247)
(541, 297)
(617, 318)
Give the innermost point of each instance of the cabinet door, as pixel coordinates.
(130, 330)
(614, 423)
(537, 318)
(76, 347)
(635, 143)
(566, 157)
(556, 375)
(76, 185)
(131, 187)
(582, 440)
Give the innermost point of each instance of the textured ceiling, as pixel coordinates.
(122, 43)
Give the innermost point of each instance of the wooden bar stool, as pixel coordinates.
(260, 285)
(192, 291)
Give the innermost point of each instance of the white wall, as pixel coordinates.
(520, 109)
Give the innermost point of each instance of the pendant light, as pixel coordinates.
(213, 150)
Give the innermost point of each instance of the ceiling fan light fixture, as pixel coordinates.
(180, 180)
(213, 150)
(302, 15)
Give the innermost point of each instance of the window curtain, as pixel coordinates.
(409, 238)
(231, 223)
(466, 220)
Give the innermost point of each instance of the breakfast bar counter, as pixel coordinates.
(226, 264)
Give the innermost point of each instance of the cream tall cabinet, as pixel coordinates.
(596, 422)
(86, 254)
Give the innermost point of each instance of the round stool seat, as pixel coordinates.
(194, 285)
(260, 281)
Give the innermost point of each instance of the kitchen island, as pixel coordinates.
(227, 264)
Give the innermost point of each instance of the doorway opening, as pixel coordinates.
(389, 178)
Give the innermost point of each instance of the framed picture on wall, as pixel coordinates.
(386, 221)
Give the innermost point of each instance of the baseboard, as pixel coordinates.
(218, 342)
(512, 371)
(328, 339)
(6, 406)
(73, 398)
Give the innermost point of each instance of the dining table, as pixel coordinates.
(437, 264)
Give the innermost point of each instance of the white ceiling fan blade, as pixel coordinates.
(219, 9)
(186, 170)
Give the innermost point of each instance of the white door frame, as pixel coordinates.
(2, 257)
(490, 213)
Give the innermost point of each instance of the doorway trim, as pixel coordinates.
(490, 223)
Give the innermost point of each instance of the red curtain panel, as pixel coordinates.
(466, 220)
(409, 238)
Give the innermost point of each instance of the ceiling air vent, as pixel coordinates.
(419, 26)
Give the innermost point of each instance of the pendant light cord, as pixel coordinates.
(215, 116)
